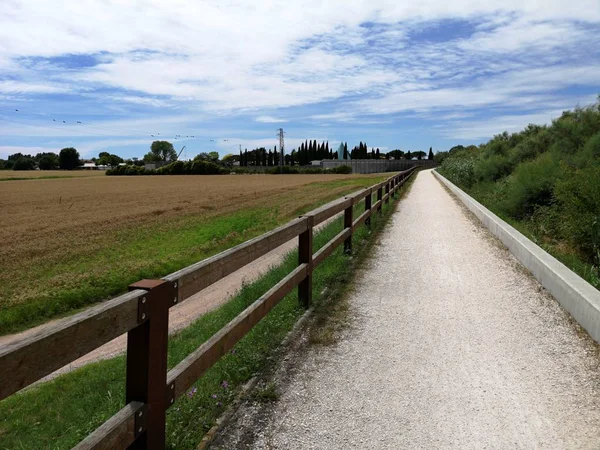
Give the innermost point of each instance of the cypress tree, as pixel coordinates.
(306, 151)
(329, 152)
(430, 156)
(377, 153)
(345, 150)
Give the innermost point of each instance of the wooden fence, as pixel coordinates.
(143, 313)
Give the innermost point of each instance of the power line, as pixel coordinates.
(110, 129)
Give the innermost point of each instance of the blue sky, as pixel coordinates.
(106, 76)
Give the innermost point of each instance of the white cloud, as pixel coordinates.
(485, 128)
(269, 119)
(246, 57)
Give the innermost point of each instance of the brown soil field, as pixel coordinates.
(8, 174)
(52, 228)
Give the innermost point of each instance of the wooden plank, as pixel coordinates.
(182, 376)
(329, 210)
(196, 277)
(55, 345)
(377, 205)
(357, 196)
(328, 248)
(118, 432)
(361, 219)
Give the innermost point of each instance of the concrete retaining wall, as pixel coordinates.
(575, 294)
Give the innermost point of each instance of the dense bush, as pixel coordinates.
(531, 185)
(24, 164)
(546, 177)
(128, 170)
(204, 167)
(197, 167)
(578, 195)
(459, 169)
(343, 169)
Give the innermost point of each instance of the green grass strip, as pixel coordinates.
(60, 413)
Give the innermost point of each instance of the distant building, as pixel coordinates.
(89, 165)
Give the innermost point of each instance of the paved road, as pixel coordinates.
(452, 345)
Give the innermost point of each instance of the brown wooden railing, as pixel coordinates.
(143, 313)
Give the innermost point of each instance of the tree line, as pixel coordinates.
(164, 152)
(67, 159)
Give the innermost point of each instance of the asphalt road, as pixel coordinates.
(451, 345)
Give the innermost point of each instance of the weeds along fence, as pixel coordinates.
(143, 313)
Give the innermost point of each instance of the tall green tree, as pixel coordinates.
(161, 151)
(430, 156)
(68, 158)
(24, 163)
(47, 161)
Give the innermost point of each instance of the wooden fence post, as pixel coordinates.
(368, 204)
(147, 346)
(379, 197)
(387, 191)
(305, 254)
(348, 219)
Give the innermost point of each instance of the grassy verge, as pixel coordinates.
(75, 280)
(60, 413)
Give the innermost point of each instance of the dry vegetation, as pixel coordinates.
(61, 234)
(20, 174)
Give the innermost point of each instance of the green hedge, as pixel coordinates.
(209, 168)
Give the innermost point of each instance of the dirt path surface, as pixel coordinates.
(452, 345)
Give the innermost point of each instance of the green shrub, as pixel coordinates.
(493, 168)
(459, 170)
(24, 163)
(531, 185)
(128, 170)
(343, 169)
(578, 196)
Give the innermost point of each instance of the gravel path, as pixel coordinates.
(452, 345)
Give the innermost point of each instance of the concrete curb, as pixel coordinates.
(575, 294)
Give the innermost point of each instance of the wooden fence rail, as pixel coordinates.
(143, 313)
